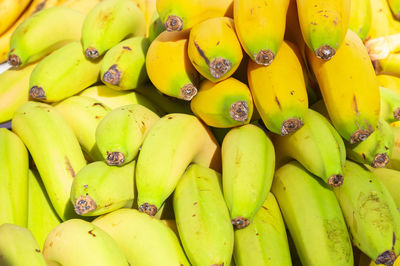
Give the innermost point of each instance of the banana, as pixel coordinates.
(150, 9)
(143, 239)
(225, 104)
(394, 162)
(390, 82)
(169, 68)
(99, 188)
(54, 149)
(391, 180)
(313, 217)
(214, 48)
(178, 15)
(370, 214)
(348, 81)
(260, 26)
(123, 66)
(83, 6)
(282, 102)
(43, 33)
(62, 74)
(122, 131)
(248, 164)
(108, 23)
(324, 25)
(390, 105)
(18, 246)
(382, 22)
(78, 242)
(10, 10)
(360, 17)
(172, 225)
(13, 179)
(395, 7)
(83, 115)
(172, 144)
(390, 65)
(200, 207)
(155, 27)
(264, 241)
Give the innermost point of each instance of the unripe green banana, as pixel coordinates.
(394, 162)
(83, 114)
(143, 239)
(99, 188)
(172, 144)
(390, 105)
(108, 23)
(313, 217)
(43, 33)
(77, 242)
(54, 149)
(62, 74)
(18, 246)
(122, 131)
(264, 241)
(123, 66)
(390, 179)
(13, 179)
(248, 164)
(370, 213)
(200, 207)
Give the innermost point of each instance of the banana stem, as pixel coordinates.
(389, 65)
(382, 47)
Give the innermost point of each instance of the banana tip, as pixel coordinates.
(91, 53)
(380, 160)
(173, 23)
(37, 93)
(239, 111)
(387, 258)
(291, 125)
(325, 52)
(113, 75)
(188, 92)
(396, 113)
(359, 135)
(264, 57)
(14, 60)
(115, 158)
(219, 67)
(240, 222)
(84, 204)
(148, 209)
(335, 180)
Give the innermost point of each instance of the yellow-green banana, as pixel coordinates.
(360, 17)
(155, 28)
(122, 131)
(394, 162)
(54, 149)
(389, 65)
(390, 82)
(391, 180)
(143, 239)
(390, 105)
(108, 23)
(199, 207)
(172, 144)
(248, 164)
(395, 7)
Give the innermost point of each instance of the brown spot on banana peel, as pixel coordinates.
(355, 105)
(112, 75)
(91, 233)
(173, 23)
(278, 103)
(360, 135)
(127, 48)
(325, 52)
(99, 104)
(240, 222)
(115, 158)
(14, 60)
(148, 209)
(188, 91)
(219, 67)
(396, 113)
(239, 111)
(201, 53)
(377, 66)
(40, 6)
(84, 204)
(91, 53)
(335, 180)
(69, 167)
(291, 125)
(380, 160)
(387, 258)
(264, 57)
(37, 93)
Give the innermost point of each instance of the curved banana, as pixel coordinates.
(83, 6)
(394, 162)
(391, 180)
(150, 11)
(122, 131)
(172, 144)
(200, 206)
(323, 228)
(360, 17)
(225, 104)
(390, 82)
(389, 65)
(390, 105)
(155, 27)
(54, 149)
(108, 23)
(10, 10)
(395, 7)
(214, 48)
(382, 21)
(143, 239)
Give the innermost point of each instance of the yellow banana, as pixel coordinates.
(150, 10)
(390, 105)
(390, 65)
(360, 17)
(394, 162)
(390, 82)
(391, 180)
(10, 10)
(395, 7)
(171, 224)
(83, 6)
(382, 22)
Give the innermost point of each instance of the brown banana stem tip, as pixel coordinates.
(240, 222)
(84, 204)
(188, 91)
(377, 66)
(113, 75)
(115, 158)
(264, 57)
(387, 258)
(239, 111)
(149, 209)
(219, 67)
(291, 125)
(14, 60)
(396, 113)
(173, 23)
(398, 16)
(359, 135)
(91, 53)
(37, 93)
(335, 180)
(325, 52)
(380, 160)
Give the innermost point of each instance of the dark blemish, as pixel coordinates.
(264, 208)
(97, 117)
(393, 240)
(355, 105)
(100, 104)
(194, 204)
(39, 6)
(201, 53)
(292, 92)
(127, 48)
(51, 244)
(69, 166)
(193, 215)
(277, 101)
(370, 181)
(313, 23)
(363, 155)
(85, 186)
(91, 233)
(130, 111)
(169, 117)
(284, 188)
(229, 25)
(37, 250)
(108, 205)
(386, 148)
(252, 10)
(217, 43)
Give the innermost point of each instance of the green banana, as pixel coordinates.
(248, 164)
(313, 217)
(155, 28)
(360, 17)
(394, 162)
(123, 66)
(62, 74)
(99, 188)
(370, 214)
(264, 241)
(78, 242)
(390, 179)
(122, 131)
(144, 240)
(43, 33)
(54, 149)
(108, 23)
(200, 207)
(390, 105)
(171, 145)
(18, 246)
(13, 179)
(83, 114)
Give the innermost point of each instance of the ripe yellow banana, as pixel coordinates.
(199, 206)
(389, 65)
(282, 102)
(54, 149)
(391, 180)
(360, 17)
(10, 10)
(390, 105)
(172, 144)
(349, 88)
(382, 22)
(394, 162)
(214, 48)
(143, 239)
(225, 104)
(390, 82)
(313, 217)
(83, 6)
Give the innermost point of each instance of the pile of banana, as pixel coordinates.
(200, 132)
